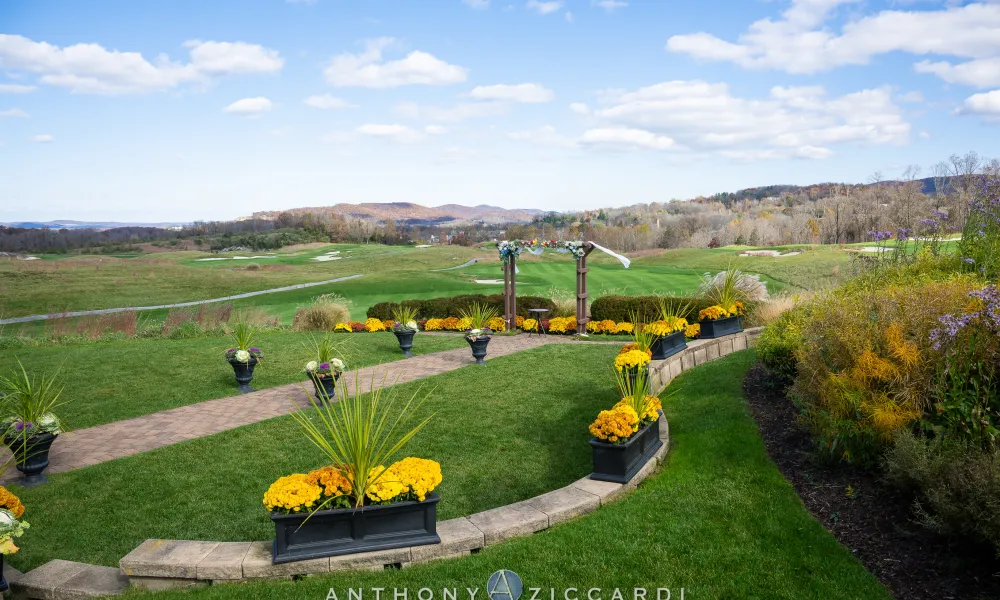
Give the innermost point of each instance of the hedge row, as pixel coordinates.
(623, 308)
(452, 307)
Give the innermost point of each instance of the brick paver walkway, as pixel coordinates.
(86, 447)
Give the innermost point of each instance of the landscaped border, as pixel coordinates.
(167, 564)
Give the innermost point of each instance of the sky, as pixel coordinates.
(191, 110)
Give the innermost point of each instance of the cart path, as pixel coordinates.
(86, 447)
(463, 265)
(108, 311)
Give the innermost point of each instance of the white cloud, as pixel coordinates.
(625, 138)
(328, 102)
(369, 70)
(460, 112)
(250, 107)
(395, 133)
(527, 93)
(569, 16)
(579, 108)
(799, 42)
(90, 68)
(986, 105)
(790, 122)
(436, 130)
(913, 97)
(543, 136)
(544, 8)
(609, 5)
(13, 88)
(13, 113)
(43, 138)
(477, 4)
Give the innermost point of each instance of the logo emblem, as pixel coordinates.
(504, 585)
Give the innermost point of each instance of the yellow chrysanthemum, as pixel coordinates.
(497, 324)
(692, 331)
(529, 325)
(333, 482)
(650, 408)
(372, 325)
(293, 493)
(633, 359)
(11, 502)
(615, 425)
(434, 325)
(343, 327)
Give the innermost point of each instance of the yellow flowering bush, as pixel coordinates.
(615, 425)
(519, 321)
(343, 327)
(562, 325)
(692, 331)
(434, 325)
(529, 325)
(292, 494)
(450, 324)
(386, 488)
(593, 326)
(607, 326)
(631, 360)
(373, 325)
(388, 323)
(463, 324)
(333, 482)
(418, 475)
(666, 327)
(633, 347)
(712, 313)
(497, 324)
(651, 407)
(624, 328)
(11, 502)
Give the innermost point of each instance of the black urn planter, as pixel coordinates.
(668, 345)
(349, 530)
(32, 456)
(3, 579)
(479, 349)
(244, 373)
(405, 338)
(717, 328)
(619, 463)
(327, 383)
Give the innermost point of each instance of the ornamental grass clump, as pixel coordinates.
(28, 403)
(727, 291)
(360, 434)
(323, 314)
(243, 329)
(476, 319)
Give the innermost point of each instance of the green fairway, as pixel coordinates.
(720, 521)
(110, 381)
(211, 488)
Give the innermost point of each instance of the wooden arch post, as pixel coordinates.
(510, 293)
(582, 318)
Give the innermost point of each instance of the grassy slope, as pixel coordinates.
(533, 438)
(111, 381)
(719, 521)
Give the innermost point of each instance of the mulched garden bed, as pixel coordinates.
(869, 517)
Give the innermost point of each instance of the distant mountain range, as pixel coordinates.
(407, 213)
(86, 224)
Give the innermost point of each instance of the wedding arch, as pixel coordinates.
(510, 250)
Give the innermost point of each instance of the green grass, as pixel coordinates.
(110, 381)
(532, 437)
(719, 521)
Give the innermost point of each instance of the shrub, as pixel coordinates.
(779, 344)
(322, 315)
(980, 244)
(956, 484)
(440, 308)
(866, 363)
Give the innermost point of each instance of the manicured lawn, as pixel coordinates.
(111, 381)
(520, 420)
(719, 521)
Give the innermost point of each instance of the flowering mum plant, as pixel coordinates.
(373, 325)
(720, 311)
(345, 327)
(615, 426)
(692, 331)
(632, 360)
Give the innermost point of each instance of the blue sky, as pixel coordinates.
(188, 110)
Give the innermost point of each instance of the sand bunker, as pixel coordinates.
(769, 253)
(490, 281)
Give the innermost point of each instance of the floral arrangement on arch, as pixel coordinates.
(513, 248)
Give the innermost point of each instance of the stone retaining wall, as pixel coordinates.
(698, 352)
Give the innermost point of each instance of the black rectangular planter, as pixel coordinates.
(720, 327)
(619, 463)
(668, 345)
(348, 530)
